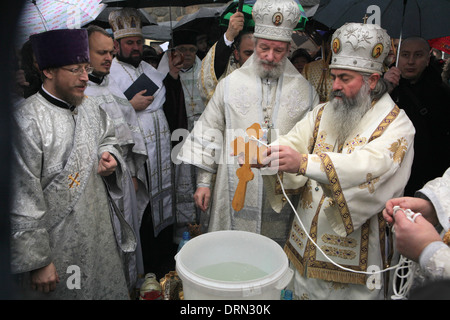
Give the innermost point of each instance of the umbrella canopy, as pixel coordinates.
(204, 21)
(43, 15)
(248, 19)
(428, 19)
(103, 21)
(160, 32)
(201, 19)
(158, 3)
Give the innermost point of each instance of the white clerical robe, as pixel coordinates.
(344, 192)
(241, 100)
(60, 210)
(129, 136)
(157, 137)
(434, 261)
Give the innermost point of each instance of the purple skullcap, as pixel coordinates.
(62, 47)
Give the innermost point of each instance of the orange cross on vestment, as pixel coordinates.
(74, 180)
(251, 153)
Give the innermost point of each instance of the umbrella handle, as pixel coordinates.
(401, 32)
(240, 6)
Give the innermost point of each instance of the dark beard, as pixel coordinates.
(134, 61)
(348, 112)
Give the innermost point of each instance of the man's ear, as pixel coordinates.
(49, 73)
(116, 45)
(236, 54)
(373, 80)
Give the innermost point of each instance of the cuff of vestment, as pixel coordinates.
(303, 165)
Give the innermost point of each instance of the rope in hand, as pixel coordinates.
(403, 270)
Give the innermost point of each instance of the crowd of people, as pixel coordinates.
(119, 150)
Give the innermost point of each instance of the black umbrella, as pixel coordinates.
(161, 32)
(201, 20)
(428, 19)
(159, 3)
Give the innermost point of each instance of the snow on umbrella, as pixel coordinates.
(44, 15)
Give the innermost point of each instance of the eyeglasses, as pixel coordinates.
(80, 70)
(184, 49)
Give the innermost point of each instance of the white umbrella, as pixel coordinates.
(44, 15)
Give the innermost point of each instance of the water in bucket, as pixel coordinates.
(231, 271)
(232, 265)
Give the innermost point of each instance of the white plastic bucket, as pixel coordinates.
(236, 247)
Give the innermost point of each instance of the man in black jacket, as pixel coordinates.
(417, 87)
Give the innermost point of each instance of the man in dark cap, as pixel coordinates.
(183, 116)
(65, 158)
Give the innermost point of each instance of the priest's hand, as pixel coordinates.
(284, 158)
(413, 237)
(44, 279)
(423, 206)
(141, 102)
(201, 197)
(107, 164)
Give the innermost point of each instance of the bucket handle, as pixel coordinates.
(284, 281)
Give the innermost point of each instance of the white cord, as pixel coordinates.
(404, 263)
(404, 277)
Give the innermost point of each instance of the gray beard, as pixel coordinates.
(348, 112)
(274, 73)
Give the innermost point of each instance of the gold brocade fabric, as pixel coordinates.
(317, 73)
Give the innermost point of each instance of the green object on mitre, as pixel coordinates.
(249, 23)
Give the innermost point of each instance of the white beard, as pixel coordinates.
(274, 73)
(348, 112)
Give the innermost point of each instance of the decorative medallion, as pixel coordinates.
(336, 45)
(377, 50)
(277, 18)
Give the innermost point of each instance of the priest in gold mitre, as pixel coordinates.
(348, 157)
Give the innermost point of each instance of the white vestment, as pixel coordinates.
(60, 209)
(344, 190)
(156, 133)
(240, 100)
(434, 260)
(437, 264)
(129, 136)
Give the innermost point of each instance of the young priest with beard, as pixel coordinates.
(66, 157)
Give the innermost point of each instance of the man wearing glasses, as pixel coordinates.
(183, 116)
(65, 158)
